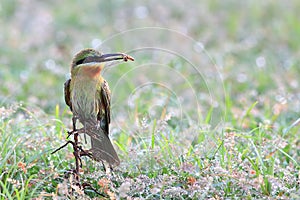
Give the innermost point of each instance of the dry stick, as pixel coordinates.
(75, 150)
(77, 155)
(63, 146)
(89, 186)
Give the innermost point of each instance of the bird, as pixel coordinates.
(88, 96)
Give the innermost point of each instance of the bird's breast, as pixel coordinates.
(84, 96)
(92, 71)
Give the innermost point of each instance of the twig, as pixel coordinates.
(89, 186)
(63, 146)
(77, 157)
(78, 151)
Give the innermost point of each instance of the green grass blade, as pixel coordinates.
(153, 134)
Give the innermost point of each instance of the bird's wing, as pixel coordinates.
(104, 112)
(67, 93)
(102, 148)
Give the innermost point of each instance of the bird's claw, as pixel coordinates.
(74, 132)
(85, 152)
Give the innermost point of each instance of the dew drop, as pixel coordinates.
(261, 62)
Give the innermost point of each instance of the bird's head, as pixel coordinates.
(91, 56)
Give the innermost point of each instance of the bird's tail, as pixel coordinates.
(102, 148)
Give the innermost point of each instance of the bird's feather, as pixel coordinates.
(104, 117)
(67, 93)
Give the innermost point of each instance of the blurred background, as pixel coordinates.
(210, 106)
(190, 55)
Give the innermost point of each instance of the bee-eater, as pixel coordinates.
(88, 96)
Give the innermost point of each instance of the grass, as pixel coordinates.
(209, 109)
(223, 162)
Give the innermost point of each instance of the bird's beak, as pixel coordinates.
(108, 57)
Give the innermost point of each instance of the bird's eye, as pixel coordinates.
(80, 61)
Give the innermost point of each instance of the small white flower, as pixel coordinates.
(124, 188)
